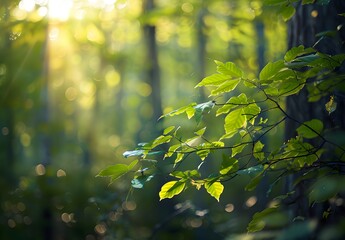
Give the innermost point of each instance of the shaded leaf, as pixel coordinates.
(140, 181)
(287, 12)
(251, 171)
(228, 165)
(133, 153)
(310, 129)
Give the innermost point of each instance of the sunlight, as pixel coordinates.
(59, 9)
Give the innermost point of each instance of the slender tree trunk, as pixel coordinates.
(307, 22)
(153, 72)
(201, 47)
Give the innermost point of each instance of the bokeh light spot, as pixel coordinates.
(40, 169)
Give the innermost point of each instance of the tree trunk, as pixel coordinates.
(303, 27)
(153, 72)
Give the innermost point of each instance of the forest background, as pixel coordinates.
(83, 81)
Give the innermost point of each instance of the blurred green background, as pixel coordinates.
(83, 81)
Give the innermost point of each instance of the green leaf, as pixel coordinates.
(296, 52)
(307, 1)
(325, 188)
(133, 153)
(229, 68)
(257, 151)
(213, 80)
(238, 149)
(171, 189)
(172, 149)
(233, 102)
(287, 12)
(186, 174)
(181, 110)
(117, 170)
(310, 129)
(274, 2)
(200, 108)
(228, 165)
(161, 140)
(228, 86)
(251, 171)
(270, 217)
(215, 189)
(168, 130)
(203, 153)
(139, 181)
(254, 182)
(270, 70)
(235, 120)
(200, 132)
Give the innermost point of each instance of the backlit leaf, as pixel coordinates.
(171, 189)
(235, 120)
(213, 80)
(227, 86)
(215, 189)
(229, 68)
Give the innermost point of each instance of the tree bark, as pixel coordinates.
(302, 29)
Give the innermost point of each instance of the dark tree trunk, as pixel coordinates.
(303, 27)
(153, 72)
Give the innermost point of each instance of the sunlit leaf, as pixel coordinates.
(225, 87)
(161, 140)
(171, 189)
(235, 120)
(310, 129)
(233, 102)
(237, 149)
(213, 80)
(181, 110)
(229, 68)
(200, 132)
(215, 189)
(203, 153)
(168, 130)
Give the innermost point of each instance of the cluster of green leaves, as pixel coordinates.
(244, 128)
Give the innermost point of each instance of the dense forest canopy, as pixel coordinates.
(107, 88)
